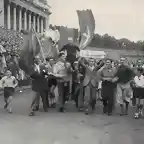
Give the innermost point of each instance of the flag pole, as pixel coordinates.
(41, 49)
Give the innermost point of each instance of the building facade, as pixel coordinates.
(67, 35)
(21, 14)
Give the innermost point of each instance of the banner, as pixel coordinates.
(87, 27)
(93, 54)
(31, 48)
(47, 46)
(49, 43)
(53, 34)
(50, 49)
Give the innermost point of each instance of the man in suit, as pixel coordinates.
(39, 86)
(90, 84)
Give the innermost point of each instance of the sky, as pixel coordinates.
(119, 18)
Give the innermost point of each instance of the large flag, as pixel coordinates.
(49, 43)
(31, 48)
(87, 27)
(53, 34)
(46, 44)
(50, 49)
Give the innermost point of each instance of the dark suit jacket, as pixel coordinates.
(82, 71)
(39, 82)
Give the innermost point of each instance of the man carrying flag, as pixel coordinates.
(30, 63)
(39, 86)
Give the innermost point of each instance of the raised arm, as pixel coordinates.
(98, 67)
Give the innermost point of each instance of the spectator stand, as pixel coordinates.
(11, 43)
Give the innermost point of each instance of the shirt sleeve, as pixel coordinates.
(115, 71)
(142, 80)
(15, 80)
(56, 68)
(2, 81)
(101, 73)
(135, 79)
(132, 73)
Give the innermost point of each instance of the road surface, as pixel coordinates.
(71, 127)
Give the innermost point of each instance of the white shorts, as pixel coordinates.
(100, 85)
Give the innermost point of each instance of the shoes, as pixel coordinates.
(5, 106)
(76, 105)
(10, 110)
(104, 110)
(86, 112)
(45, 109)
(32, 113)
(80, 109)
(36, 108)
(62, 109)
(109, 114)
(136, 116)
(122, 114)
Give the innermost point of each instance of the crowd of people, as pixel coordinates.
(87, 80)
(11, 40)
(11, 43)
(84, 81)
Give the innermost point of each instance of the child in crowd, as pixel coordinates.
(139, 92)
(9, 83)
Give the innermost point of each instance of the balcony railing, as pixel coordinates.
(39, 5)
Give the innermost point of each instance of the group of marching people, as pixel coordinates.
(84, 81)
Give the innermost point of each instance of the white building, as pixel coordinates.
(20, 14)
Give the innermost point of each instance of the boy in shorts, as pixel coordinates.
(9, 83)
(139, 92)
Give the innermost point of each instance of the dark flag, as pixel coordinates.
(87, 27)
(47, 44)
(31, 48)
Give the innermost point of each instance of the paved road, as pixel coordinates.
(65, 128)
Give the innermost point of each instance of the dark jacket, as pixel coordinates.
(82, 71)
(39, 82)
(124, 74)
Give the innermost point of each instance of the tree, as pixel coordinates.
(141, 44)
(107, 41)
